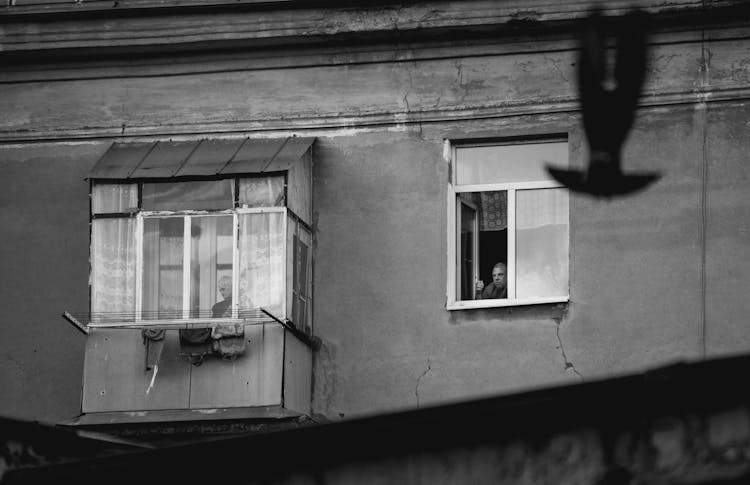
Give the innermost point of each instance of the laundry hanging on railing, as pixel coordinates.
(225, 341)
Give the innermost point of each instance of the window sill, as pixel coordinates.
(473, 304)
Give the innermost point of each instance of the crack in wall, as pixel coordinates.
(568, 364)
(408, 90)
(410, 72)
(416, 388)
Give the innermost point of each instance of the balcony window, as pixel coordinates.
(201, 277)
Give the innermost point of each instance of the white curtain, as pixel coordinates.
(108, 198)
(541, 243)
(541, 207)
(113, 269)
(261, 261)
(261, 192)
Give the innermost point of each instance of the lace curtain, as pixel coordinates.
(261, 267)
(113, 269)
(541, 243)
(261, 261)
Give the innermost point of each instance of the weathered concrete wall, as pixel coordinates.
(655, 277)
(389, 342)
(44, 266)
(728, 227)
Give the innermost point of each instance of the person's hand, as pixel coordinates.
(479, 286)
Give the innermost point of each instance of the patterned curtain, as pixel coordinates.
(493, 215)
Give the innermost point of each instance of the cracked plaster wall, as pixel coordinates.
(650, 281)
(639, 267)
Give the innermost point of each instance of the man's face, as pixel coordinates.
(498, 277)
(225, 290)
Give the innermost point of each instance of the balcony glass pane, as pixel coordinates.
(261, 261)
(113, 267)
(199, 195)
(262, 192)
(211, 266)
(162, 267)
(113, 198)
(541, 243)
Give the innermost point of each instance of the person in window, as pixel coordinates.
(224, 307)
(496, 289)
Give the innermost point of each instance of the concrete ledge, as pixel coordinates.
(177, 415)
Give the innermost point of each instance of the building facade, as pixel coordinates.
(426, 127)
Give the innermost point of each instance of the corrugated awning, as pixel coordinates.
(208, 157)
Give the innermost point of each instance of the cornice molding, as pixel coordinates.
(311, 125)
(140, 27)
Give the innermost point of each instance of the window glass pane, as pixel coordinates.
(299, 305)
(109, 198)
(508, 163)
(261, 261)
(211, 266)
(113, 270)
(163, 242)
(306, 239)
(262, 192)
(291, 227)
(541, 243)
(199, 195)
(468, 220)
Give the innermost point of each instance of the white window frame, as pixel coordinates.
(452, 303)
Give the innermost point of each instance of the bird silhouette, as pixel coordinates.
(608, 104)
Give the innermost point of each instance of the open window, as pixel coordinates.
(508, 225)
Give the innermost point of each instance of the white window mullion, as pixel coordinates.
(457, 251)
(186, 268)
(235, 266)
(511, 276)
(475, 250)
(138, 267)
(494, 187)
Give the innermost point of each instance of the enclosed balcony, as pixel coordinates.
(201, 270)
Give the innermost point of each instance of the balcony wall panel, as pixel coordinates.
(297, 375)
(253, 379)
(115, 377)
